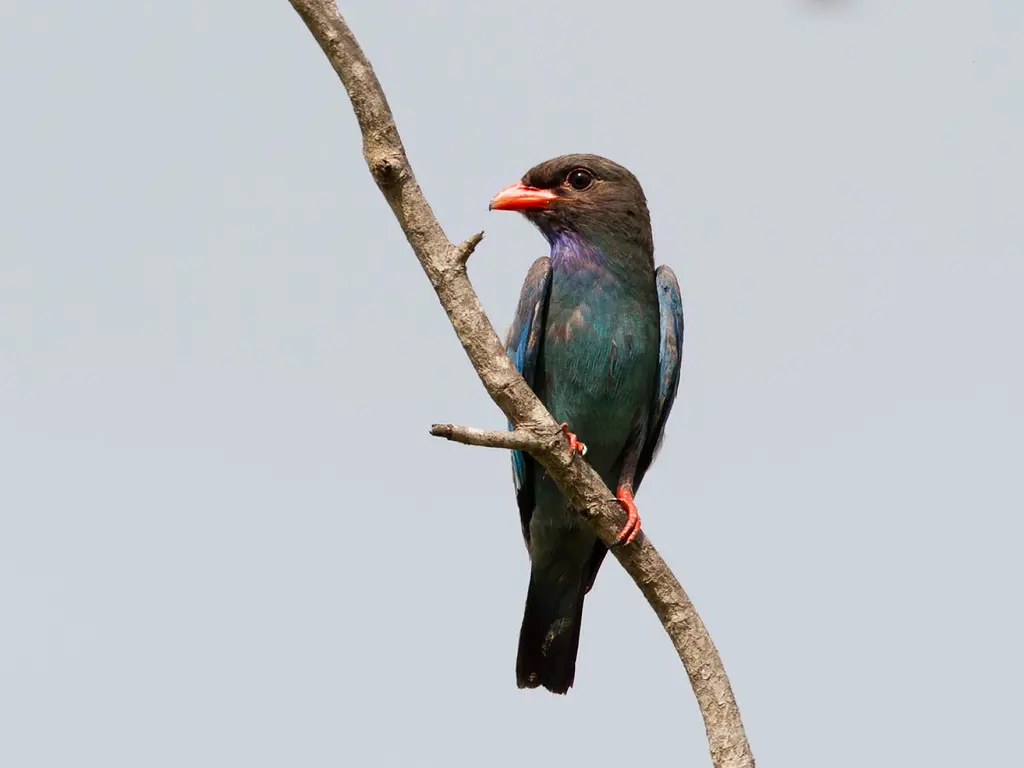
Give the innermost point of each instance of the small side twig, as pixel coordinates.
(515, 440)
(466, 248)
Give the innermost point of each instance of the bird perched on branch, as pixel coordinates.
(598, 335)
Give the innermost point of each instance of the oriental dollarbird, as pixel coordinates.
(598, 335)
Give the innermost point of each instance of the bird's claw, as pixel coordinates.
(575, 444)
(624, 495)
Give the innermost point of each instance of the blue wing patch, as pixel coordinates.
(523, 348)
(670, 358)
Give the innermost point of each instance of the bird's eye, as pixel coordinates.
(579, 178)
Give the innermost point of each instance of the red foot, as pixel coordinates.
(632, 527)
(575, 445)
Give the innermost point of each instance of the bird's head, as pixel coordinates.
(583, 195)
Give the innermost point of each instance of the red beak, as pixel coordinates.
(519, 197)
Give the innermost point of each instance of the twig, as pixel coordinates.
(444, 264)
(516, 440)
(464, 251)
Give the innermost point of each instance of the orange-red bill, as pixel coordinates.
(519, 197)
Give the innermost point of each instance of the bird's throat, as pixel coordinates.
(610, 261)
(569, 249)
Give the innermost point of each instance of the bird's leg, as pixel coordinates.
(575, 444)
(624, 494)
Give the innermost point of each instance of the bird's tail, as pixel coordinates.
(550, 635)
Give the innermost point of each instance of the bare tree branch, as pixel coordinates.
(464, 251)
(445, 266)
(516, 440)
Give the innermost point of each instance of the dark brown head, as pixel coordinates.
(586, 195)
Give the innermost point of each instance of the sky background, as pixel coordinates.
(226, 537)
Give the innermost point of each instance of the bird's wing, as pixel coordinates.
(670, 358)
(523, 347)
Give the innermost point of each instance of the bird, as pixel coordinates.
(598, 335)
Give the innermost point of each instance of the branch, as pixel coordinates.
(516, 440)
(445, 266)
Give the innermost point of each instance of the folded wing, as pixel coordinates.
(523, 347)
(670, 358)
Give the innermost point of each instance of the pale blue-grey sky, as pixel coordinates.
(225, 535)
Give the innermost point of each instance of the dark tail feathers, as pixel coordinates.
(550, 635)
